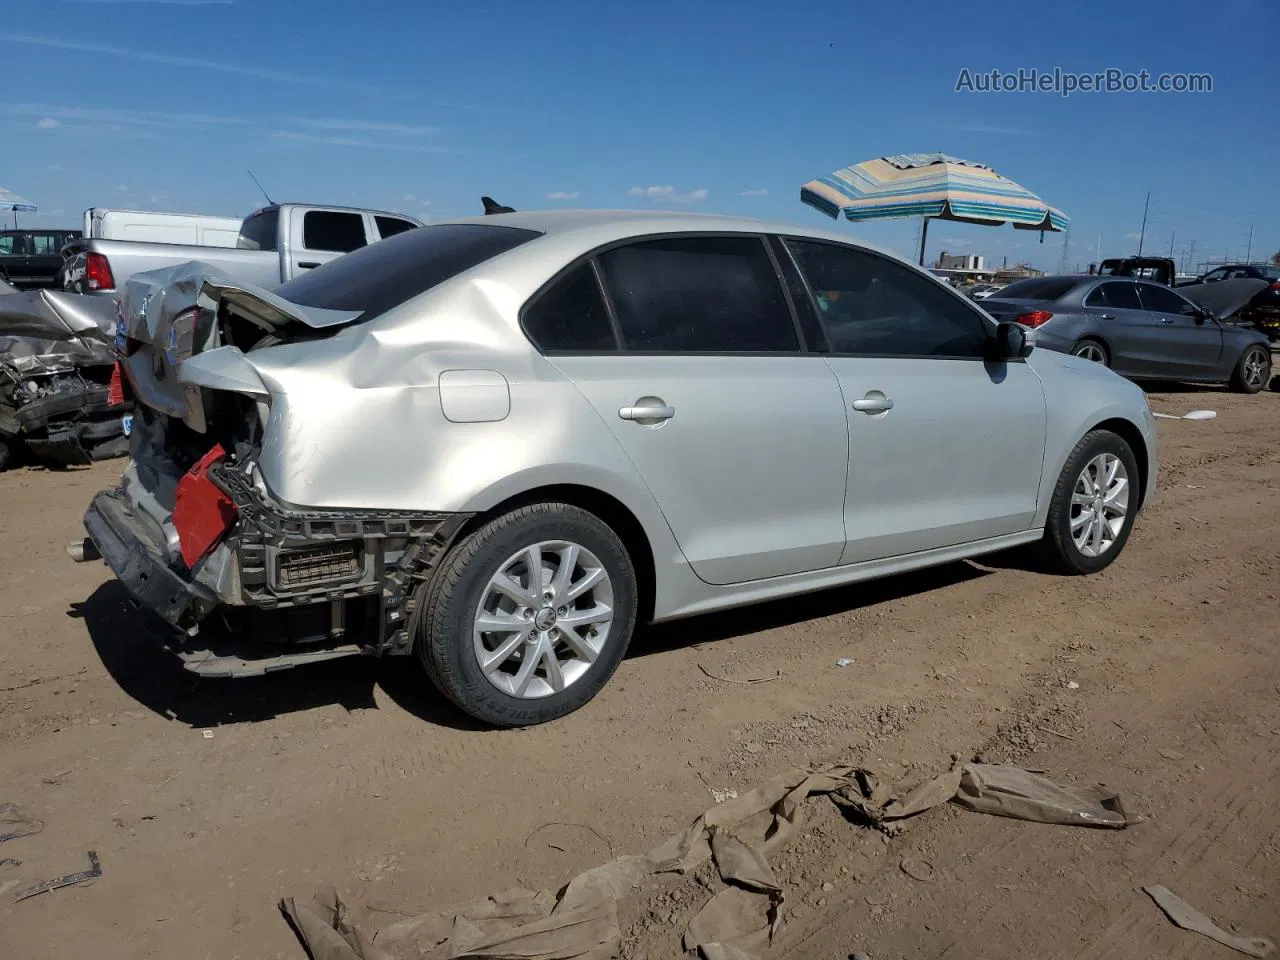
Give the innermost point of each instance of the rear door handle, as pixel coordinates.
(647, 412)
(308, 265)
(1106, 316)
(873, 403)
(1165, 320)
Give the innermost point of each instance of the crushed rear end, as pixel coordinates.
(56, 367)
(193, 532)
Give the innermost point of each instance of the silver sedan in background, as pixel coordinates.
(496, 445)
(1139, 329)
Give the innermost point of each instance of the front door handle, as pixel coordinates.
(308, 265)
(647, 413)
(873, 402)
(1106, 316)
(1166, 320)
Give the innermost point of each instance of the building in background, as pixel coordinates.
(1019, 271)
(961, 268)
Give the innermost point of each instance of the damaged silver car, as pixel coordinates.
(497, 444)
(56, 365)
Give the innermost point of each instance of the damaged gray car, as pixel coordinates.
(495, 445)
(56, 367)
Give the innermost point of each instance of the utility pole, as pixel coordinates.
(1172, 234)
(1249, 252)
(1143, 234)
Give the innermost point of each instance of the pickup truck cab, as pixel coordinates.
(31, 258)
(275, 244)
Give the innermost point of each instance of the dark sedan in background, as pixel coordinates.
(32, 258)
(1262, 311)
(1142, 330)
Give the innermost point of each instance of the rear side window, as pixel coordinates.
(1122, 296)
(332, 231)
(1037, 288)
(571, 316)
(10, 245)
(386, 274)
(259, 231)
(698, 295)
(390, 226)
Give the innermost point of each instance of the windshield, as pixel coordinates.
(386, 274)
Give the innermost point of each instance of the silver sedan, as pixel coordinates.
(496, 445)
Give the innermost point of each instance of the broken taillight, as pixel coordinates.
(115, 389)
(202, 513)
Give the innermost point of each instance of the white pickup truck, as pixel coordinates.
(275, 244)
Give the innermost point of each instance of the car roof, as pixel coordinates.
(604, 226)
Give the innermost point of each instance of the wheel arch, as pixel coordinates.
(1128, 431)
(612, 511)
(1098, 339)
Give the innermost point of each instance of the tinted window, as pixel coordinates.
(699, 295)
(9, 245)
(571, 315)
(871, 305)
(386, 274)
(258, 232)
(1122, 296)
(1038, 288)
(390, 226)
(44, 244)
(1215, 274)
(331, 231)
(1164, 300)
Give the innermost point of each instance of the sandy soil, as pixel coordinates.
(208, 801)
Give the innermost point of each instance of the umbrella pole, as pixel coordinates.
(924, 236)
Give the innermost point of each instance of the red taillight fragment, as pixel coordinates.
(97, 272)
(115, 389)
(1276, 285)
(1034, 318)
(202, 514)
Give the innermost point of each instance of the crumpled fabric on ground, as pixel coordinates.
(580, 920)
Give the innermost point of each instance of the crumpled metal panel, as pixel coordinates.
(155, 299)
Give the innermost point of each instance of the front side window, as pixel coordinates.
(1213, 275)
(698, 295)
(1122, 296)
(872, 306)
(1163, 300)
(332, 232)
(571, 316)
(9, 245)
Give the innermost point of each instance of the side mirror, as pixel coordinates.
(1011, 341)
(1202, 316)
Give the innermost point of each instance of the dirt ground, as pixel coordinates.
(208, 801)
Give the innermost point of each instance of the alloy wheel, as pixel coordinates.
(1255, 368)
(1091, 351)
(543, 619)
(1099, 504)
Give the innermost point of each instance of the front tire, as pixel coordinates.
(1253, 370)
(1094, 505)
(529, 615)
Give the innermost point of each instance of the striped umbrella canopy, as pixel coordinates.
(934, 186)
(11, 201)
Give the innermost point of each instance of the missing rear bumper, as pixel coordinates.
(333, 582)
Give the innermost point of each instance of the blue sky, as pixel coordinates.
(727, 107)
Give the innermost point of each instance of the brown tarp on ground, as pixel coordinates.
(580, 921)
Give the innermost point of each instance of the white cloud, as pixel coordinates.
(668, 194)
(1133, 235)
(987, 128)
(55, 115)
(755, 192)
(296, 137)
(562, 195)
(363, 126)
(48, 123)
(123, 188)
(195, 63)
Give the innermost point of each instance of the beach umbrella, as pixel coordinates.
(11, 201)
(934, 186)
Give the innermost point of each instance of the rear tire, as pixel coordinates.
(6, 455)
(1091, 349)
(555, 642)
(1100, 478)
(1253, 370)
